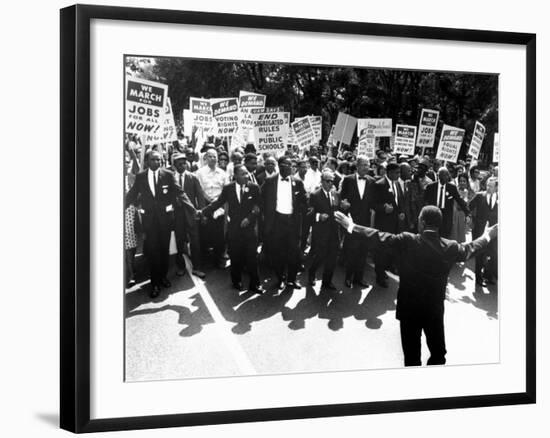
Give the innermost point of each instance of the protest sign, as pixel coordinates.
(427, 128)
(225, 112)
(168, 132)
(449, 143)
(477, 140)
(330, 140)
(187, 123)
(201, 113)
(405, 139)
(382, 127)
(317, 123)
(303, 133)
(367, 143)
(271, 132)
(145, 103)
(496, 148)
(247, 101)
(344, 128)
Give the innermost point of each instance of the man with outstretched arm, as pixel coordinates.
(425, 261)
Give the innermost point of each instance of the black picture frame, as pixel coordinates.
(75, 216)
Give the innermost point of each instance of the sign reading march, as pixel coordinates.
(201, 113)
(477, 140)
(367, 143)
(427, 128)
(382, 127)
(271, 132)
(404, 141)
(405, 137)
(226, 115)
(145, 102)
(304, 134)
(449, 143)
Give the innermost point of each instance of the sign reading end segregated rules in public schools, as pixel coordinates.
(145, 103)
(271, 132)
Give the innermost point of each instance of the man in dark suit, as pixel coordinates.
(243, 201)
(186, 225)
(284, 204)
(324, 237)
(426, 259)
(356, 193)
(157, 193)
(444, 194)
(484, 207)
(390, 216)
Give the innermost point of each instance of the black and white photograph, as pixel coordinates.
(285, 218)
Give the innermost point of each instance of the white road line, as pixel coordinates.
(221, 325)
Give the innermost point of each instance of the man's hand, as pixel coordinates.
(493, 232)
(468, 220)
(345, 204)
(309, 210)
(245, 223)
(256, 210)
(323, 217)
(388, 208)
(342, 219)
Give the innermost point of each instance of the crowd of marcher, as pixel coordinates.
(284, 214)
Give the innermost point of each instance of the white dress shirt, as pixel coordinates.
(441, 202)
(312, 180)
(284, 196)
(212, 181)
(151, 175)
(491, 200)
(361, 184)
(238, 191)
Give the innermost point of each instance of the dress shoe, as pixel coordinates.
(198, 273)
(131, 283)
(382, 283)
(328, 286)
(293, 284)
(155, 292)
(256, 290)
(362, 283)
(238, 285)
(165, 283)
(348, 284)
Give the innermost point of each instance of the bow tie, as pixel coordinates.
(285, 179)
(362, 177)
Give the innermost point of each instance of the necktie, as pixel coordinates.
(155, 182)
(181, 180)
(442, 197)
(241, 194)
(395, 193)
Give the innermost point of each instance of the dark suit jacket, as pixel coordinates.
(320, 204)
(237, 211)
(192, 188)
(482, 213)
(383, 221)
(452, 196)
(269, 201)
(425, 262)
(169, 195)
(360, 207)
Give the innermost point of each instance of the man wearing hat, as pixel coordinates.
(186, 224)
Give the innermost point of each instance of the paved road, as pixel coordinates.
(205, 328)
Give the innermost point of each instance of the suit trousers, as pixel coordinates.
(285, 245)
(481, 257)
(355, 256)
(156, 248)
(243, 254)
(411, 331)
(188, 233)
(325, 250)
(212, 236)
